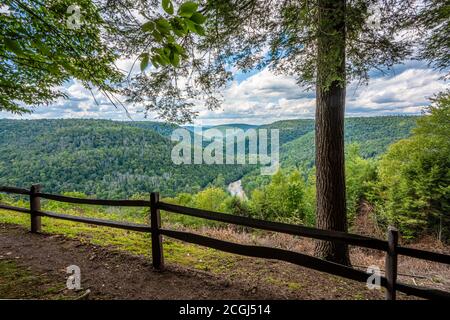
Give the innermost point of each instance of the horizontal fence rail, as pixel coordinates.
(390, 247)
(274, 253)
(11, 208)
(97, 222)
(15, 190)
(98, 202)
(297, 230)
(424, 255)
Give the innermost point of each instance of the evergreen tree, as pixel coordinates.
(414, 176)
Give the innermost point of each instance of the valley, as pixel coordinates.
(120, 159)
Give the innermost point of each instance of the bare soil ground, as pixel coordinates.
(34, 266)
(111, 274)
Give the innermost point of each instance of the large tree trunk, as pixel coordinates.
(330, 108)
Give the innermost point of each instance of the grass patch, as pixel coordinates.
(294, 286)
(17, 282)
(129, 241)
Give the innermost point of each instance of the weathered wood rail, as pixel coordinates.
(390, 246)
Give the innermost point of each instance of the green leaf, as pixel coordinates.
(187, 9)
(170, 39)
(179, 26)
(196, 28)
(198, 18)
(144, 61)
(191, 25)
(167, 6)
(13, 46)
(175, 59)
(158, 59)
(164, 58)
(166, 51)
(155, 62)
(163, 26)
(158, 37)
(149, 26)
(199, 30)
(179, 49)
(179, 33)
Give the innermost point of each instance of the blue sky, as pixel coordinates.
(263, 97)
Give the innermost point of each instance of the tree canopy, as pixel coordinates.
(191, 47)
(44, 44)
(282, 35)
(434, 20)
(414, 175)
(40, 50)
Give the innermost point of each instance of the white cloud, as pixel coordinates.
(5, 10)
(266, 97)
(407, 92)
(125, 65)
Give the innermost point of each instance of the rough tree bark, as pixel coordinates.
(330, 108)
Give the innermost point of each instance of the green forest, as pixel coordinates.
(119, 159)
(353, 181)
(407, 182)
(398, 164)
(98, 157)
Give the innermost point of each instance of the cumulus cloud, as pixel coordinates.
(406, 92)
(264, 97)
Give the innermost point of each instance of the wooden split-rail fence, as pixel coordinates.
(389, 246)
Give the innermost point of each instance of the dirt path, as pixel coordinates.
(111, 274)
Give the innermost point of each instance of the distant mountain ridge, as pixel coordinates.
(107, 158)
(373, 134)
(120, 158)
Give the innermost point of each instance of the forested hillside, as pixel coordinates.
(106, 158)
(405, 184)
(225, 127)
(163, 128)
(124, 159)
(372, 134)
(119, 159)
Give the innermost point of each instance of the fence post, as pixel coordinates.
(35, 205)
(391, 264)
(155, 224)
